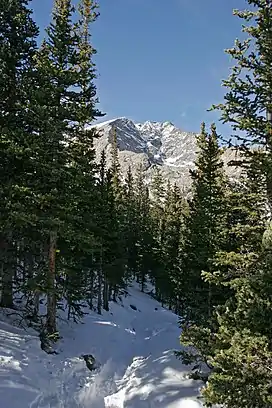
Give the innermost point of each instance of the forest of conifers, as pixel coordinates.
(74, 231)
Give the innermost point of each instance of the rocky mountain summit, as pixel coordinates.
(155, 145)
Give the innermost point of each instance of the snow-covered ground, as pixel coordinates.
(133, 347)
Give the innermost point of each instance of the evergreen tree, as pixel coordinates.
(18, 34)
(248, 103)
(56, 76)
(243, 322)
(174, 212)
(144, 248)
(51, 115)
(117, 220)
(83, 198)
(242, 245)
(104, 235)
(158, 218)
(130, 226)
(203, 227)
(65, 105)
(242, 353)
(158, 189)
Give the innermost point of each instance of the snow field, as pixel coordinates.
(134, 349)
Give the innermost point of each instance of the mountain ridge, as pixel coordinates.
(155, 145)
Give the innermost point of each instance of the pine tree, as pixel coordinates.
(104, 235)
(158, 188)
(117, 220)
(248, 96)
(242, 353)
(171, 246)
(18, 34)
(130, 226)
(243, 322)
(65, 105)
(144, 228)
(56, 76)
(245, 204)
(146, 255)
(84, 209)
(158, 218)
(203, 227)
(103, 222)
(203, 238)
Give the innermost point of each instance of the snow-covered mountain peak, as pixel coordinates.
(152, 144)
(115, 122)
(128, 136)
(150, 130)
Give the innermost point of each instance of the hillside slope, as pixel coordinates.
(134, 350)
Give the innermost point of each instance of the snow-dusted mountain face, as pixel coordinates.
(155, 145)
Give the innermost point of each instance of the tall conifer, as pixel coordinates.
(203, 225)
(243, 354)
(18, 34)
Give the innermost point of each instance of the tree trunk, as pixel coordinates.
(177, 306)
(36, 303)
(100, 277)
(7, 271)
(91, 291)
(142, 282)
(115, 293)
(29, 272)
(106, 295)
(157, 293)
(51, 294)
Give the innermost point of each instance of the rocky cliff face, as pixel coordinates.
(154, 144)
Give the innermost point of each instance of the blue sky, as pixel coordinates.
(160, 60)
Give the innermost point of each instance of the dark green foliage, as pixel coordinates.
(78, 232)
(117, 248)
(204, 227)
(242, 357)
(171, 240)
(158, 220)
(18, 34)
(71, 229)
(144, 245)
(239, 340)
(248, 100)
(54, 210)
(130, 225)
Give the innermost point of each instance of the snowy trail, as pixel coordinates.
(133, 347)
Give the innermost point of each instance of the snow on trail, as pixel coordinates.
(133, 347)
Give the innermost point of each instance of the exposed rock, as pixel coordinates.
(133, 307)
(90, 361)
(47, 344)
(155, 145)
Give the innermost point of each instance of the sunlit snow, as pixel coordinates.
(134, 349)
